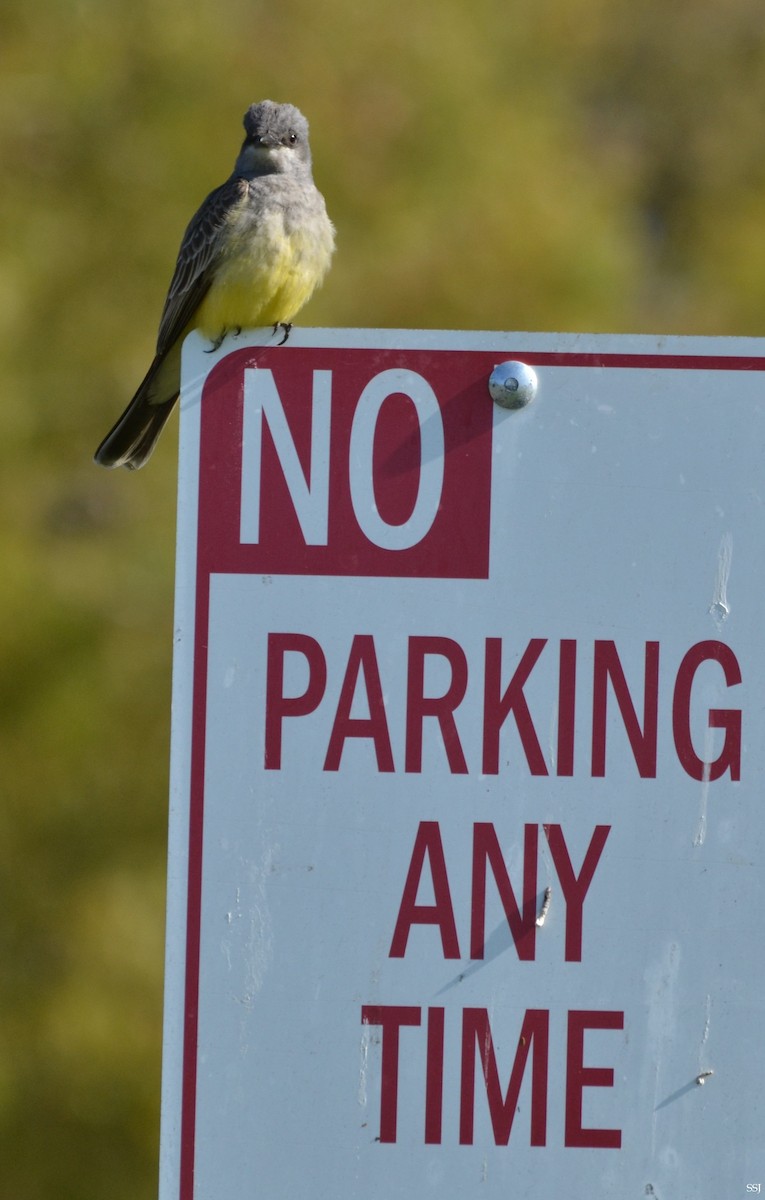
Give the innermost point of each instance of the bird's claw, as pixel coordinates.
(218, 341)
(237, 329)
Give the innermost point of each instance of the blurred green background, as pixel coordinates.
(501, 164)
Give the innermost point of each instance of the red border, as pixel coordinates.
(199, 713)
(194, 894)
(670, 362)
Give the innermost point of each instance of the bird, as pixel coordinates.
(251, 256)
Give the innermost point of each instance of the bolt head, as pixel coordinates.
(513, 385)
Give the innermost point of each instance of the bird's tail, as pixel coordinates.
(130, 442)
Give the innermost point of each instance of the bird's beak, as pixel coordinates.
(267, 142)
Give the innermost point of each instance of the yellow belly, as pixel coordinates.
(265, 279)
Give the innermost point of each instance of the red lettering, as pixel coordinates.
(729, 758)
(441, 913)
(498, 706)
(362, 660)
(566, 707)
(523, 927)
(362, 689)
(419, 706)
(434, 1078)
(279, 706)
(390, 1018)
(476, 1030)
(578, 1077)
(574, 887)
(477, 1036)
(643, 741)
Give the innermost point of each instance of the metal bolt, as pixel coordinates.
(513, 384)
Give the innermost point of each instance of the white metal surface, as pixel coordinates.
(455, 906)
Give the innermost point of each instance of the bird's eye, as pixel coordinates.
(292, 137)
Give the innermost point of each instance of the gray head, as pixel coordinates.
(276, 141)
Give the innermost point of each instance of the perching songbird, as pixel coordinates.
(252, 255)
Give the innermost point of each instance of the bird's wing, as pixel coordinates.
(197, 258)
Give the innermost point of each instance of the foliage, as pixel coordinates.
(555, 164)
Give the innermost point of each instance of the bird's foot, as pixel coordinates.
(286, 326)
(218, 341)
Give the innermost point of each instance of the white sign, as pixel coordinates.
(467, 831)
